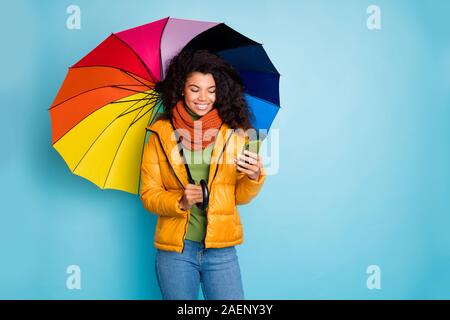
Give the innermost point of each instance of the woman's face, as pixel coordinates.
(200, 92)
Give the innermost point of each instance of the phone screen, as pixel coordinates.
(252, 146)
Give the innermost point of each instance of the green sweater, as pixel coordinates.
(198, 163)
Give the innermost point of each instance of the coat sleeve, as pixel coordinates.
(154, 196)
(246, 188)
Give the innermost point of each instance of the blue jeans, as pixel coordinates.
(217, 270)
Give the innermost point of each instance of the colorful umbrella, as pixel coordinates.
(108, 98)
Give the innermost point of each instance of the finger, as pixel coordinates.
(190, 185)
(251, 154)
(247, 166)
(245, 171)
(247, 159)
(195, 196)
(196, 200)
(194, 193)
(194, 189)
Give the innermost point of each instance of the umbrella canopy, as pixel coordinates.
(108, 98)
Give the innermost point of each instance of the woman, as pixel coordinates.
(200, 136)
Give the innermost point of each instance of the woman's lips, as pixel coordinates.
(202, 106)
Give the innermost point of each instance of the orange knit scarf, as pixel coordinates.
(198, 134)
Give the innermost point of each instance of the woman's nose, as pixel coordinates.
(202, 95)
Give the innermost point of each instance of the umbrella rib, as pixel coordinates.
(117, 68)
(123, 137)
(150, 100)
(161, 67)
(103, 87)
(134, 121)
(132, 50)
(253, 45)
(152, 96)
(264, 100)
(120, 87)
(134, 77)
(84, 155)
(53, 143)
(113, 102)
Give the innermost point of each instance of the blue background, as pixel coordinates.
(363, 176)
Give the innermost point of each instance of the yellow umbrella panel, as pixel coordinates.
(106, 147)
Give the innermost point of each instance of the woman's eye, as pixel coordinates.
(196, 91)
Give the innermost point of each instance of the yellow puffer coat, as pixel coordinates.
(164, 177)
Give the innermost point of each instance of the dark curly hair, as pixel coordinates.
(230, 101)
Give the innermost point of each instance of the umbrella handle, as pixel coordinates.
(203, 205)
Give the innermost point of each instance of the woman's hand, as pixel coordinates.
(192, 195)
(249, 163)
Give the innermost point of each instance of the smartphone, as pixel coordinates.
(252, 146)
